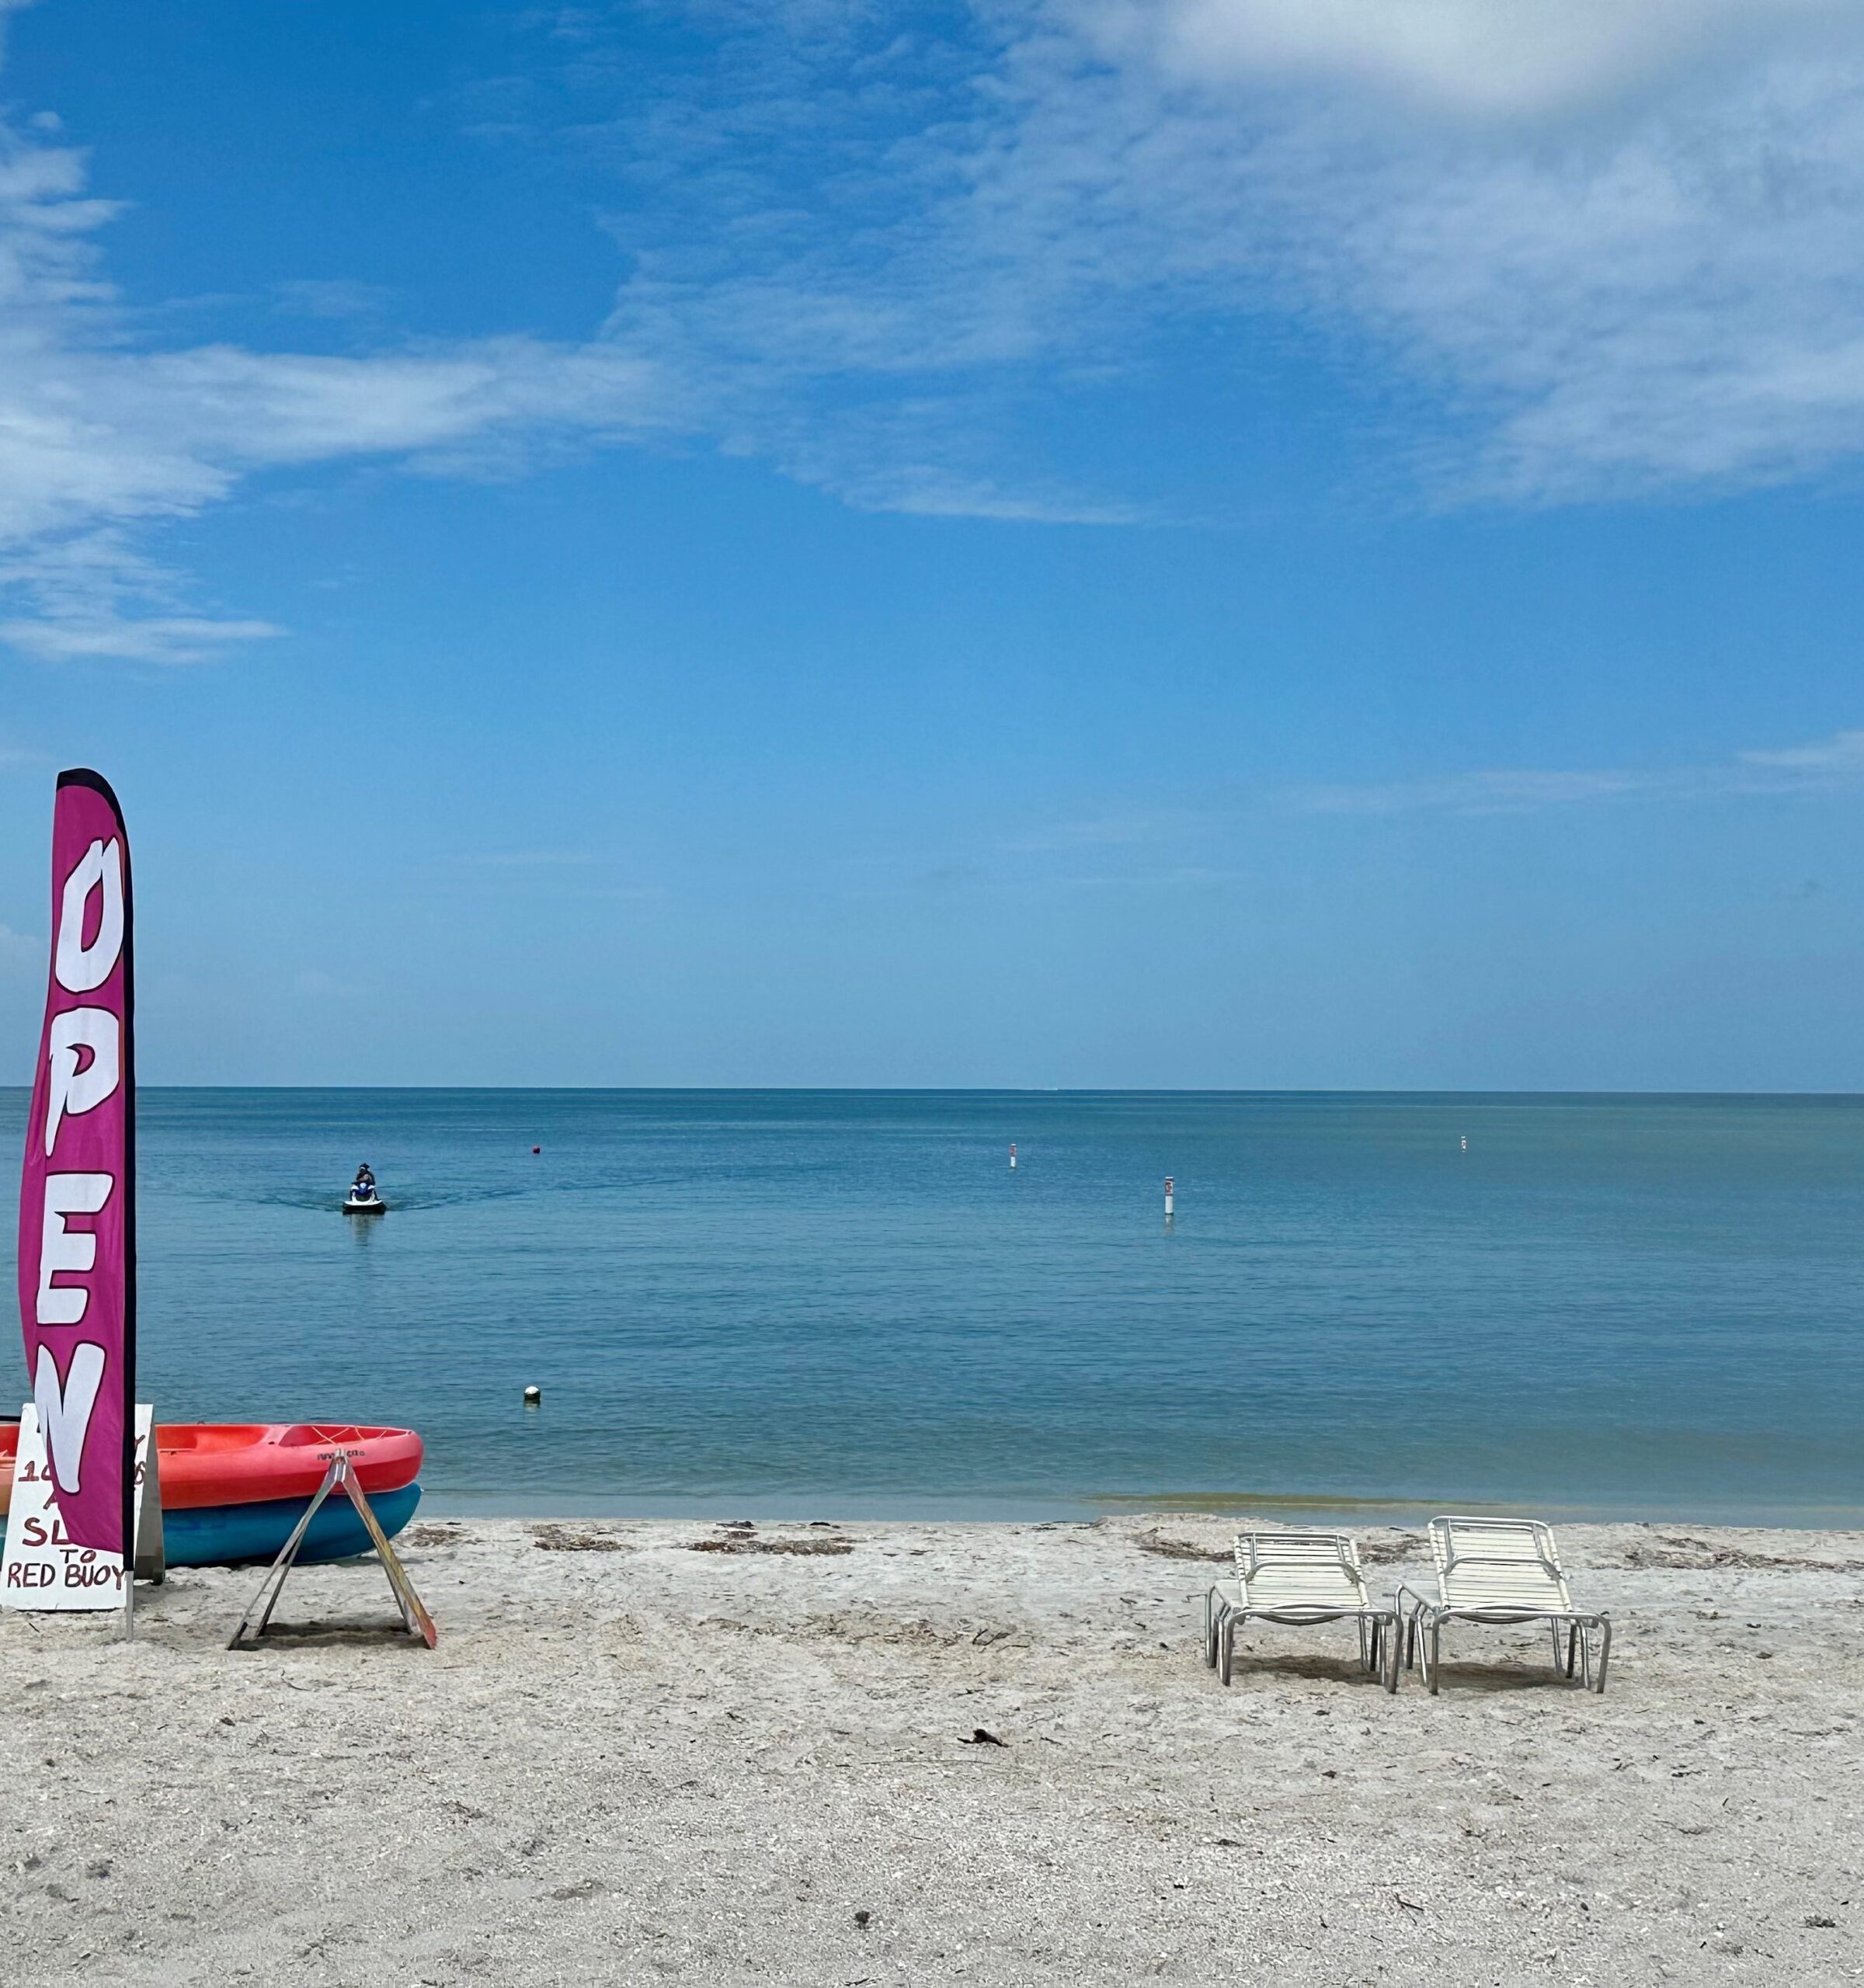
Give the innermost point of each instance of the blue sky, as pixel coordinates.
(1224, 542)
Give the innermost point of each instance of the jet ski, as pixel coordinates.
(364, 1201)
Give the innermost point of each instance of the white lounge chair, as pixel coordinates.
(1499, 1571)
(1299, 1578)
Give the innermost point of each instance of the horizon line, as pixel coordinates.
(1013, 1090)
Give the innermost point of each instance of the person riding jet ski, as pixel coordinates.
(362, 1198)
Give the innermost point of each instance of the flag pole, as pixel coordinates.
(128, 1247)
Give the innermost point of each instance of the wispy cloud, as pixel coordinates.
(99, 439)
(92, 594)
(1611, 243)
(1605, 247)
(330, 298)
(162, 638)
(1825, 764)
(1532, 57)
(1840, 757)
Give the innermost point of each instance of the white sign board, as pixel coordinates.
(41, 1568)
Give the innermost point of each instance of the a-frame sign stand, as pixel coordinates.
(151, 1560)
(42, 1568)
(340, 1476)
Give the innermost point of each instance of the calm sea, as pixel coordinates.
(835, 1304)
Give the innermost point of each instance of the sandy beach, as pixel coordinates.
(660, 1751)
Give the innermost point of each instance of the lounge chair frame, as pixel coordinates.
(1283, 1577)
(1499, 1588)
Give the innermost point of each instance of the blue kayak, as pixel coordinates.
(223, 1535)
(226, 1535)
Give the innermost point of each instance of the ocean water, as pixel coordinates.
(837, 1304)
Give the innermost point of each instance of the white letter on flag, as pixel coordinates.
(73, 1089)
(65, 1413)
(62, 1249)
(80, 968)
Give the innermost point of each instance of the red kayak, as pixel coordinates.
(242, 1463)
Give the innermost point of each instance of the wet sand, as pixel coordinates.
(630, 1760)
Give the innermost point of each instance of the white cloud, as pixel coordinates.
(1839, 757)
(1490, 58)
(165, 638)
(1610, 249)
(92, 594)
(98, 437)
(1660, 289)
(331, 297)
(1823, 765)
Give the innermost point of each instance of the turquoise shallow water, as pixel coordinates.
(838, 1304)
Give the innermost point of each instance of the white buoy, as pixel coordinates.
(1013, 1158)
(533, 1396)
(1465, 1142)
(1169, 1185)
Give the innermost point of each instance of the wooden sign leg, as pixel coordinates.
(272, 1585)
(419, 1621)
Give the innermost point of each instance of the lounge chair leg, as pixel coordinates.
(1210, 1633)
(1573, 1643)
(1388, 1675)
(1226, 1647)
(1436, 1658)
(1604, 1651)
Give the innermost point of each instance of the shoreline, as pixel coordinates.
(833, 1753)
(1238, 1509)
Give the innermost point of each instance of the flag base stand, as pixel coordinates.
(415, 1619)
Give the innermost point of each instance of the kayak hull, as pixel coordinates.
(205, 1464)
(232, 1535)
